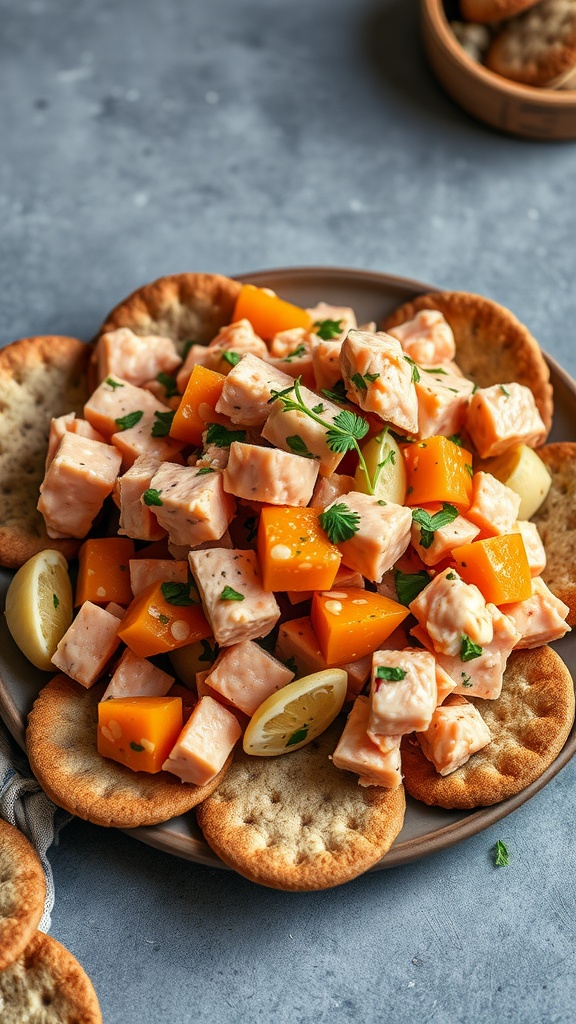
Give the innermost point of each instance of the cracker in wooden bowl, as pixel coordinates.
(530, 723)
(295, 822)
(61, 745)
(47, 985)
(538, 46)
(492, 346)
(40, 378)
(556, 522)
(22, 893)
(493, 10)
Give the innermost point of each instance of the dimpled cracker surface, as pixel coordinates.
(538, 46)
(22, 893)
(61, 745)
(492, 346)
(40, 378)
(530, 723)
(296, 822)
(47, 985)
(556, 522)
(184, 307)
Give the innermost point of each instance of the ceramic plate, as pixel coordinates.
(426, 829)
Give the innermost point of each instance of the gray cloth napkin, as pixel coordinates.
(24, 804)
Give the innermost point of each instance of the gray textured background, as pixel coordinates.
(144, 138)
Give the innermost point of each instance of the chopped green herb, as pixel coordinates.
(390, 673)
(468, 649)
(298, 736)
(409, 585)
(152, 497)
(434, 369)
(363, 380)
(381, 501)
(300, 350)
(456, 439)
(168, 383)
(501, 855)
(229, 594)
(204, 470)
(161, 428)
(177, 593)
(209, 653)
(55, 600)
(222, 437)
(504, 391)
(468, 468)
(337, 393)
(318, 408)
(328, 329)
(451, 576)
(129, 420)
(232, 357)
(475, 389)
(163, 619)
(297, 445)
(113, 383)
(137, 747)
(466, 680)
(339, 522)
(429, 524)
(415, 374)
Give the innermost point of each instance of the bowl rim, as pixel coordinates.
(558, 98)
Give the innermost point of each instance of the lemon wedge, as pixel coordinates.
(39, 606)
(385, 464)
(296, 714)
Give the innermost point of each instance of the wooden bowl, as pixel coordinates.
(509, 106)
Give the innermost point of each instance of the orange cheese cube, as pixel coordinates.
(267, 313)
(294, 551)
(154, 625)
(139, 732)
(197, 407)
(438, 470)
(498, 566)
(351, 623)
(103, 573)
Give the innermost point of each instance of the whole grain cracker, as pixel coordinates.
(47, 985)
(184, 307)
(530, 723)
(493, 10)
(22, 893)
(556, 522)
(40, 377)
(492, 346)
(295, 822)
(538, 46)
(61, 745)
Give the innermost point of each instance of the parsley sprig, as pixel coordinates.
(328, 329)
(429, 524)
(339, 522)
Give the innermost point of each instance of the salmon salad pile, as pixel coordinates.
(300, 495)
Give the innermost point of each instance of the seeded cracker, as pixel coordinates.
(530, 723)
(47, 985)
(61, 745)
(492, 346)
(22, 893)
(295, 822)
(556, 522)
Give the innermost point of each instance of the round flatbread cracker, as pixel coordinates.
(556, 522)
(184, 307)
(530, 723)
(296, 822)
(47, 985)
(492, 346)
(538, 46)
(22, 893)
(61, 745)
(40, 378)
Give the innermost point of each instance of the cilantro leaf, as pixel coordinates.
(501, 855)
(415, 372)
(410, 584)
(161, 428)
(168, 383)
(318, 408)
(339, 522)
(456, 439)
(177, 593)
(204, 470)
(300, 350)
(209, 653)
(363, 380)
(468, 649)
(390, 673)
(229, 594)
(231, 357)
(347, 428)
(152, 497)
(297, 445)
(435, 369)
(113, 383)
(129, 420)
(337, 393)
(222, 437)
(429, 524)
(298, 736)
(328, 329)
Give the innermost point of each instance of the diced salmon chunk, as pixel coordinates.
(248, 389)
(535, 550)
(136, 518)
(292, 343)
(457, 731)
(144, 571)
(246, 675)
(88, 644)
(135, 441)
(235, 602)
(284, 428)
(503, 416)
(403, 692)
(383, 534)
(328, 488)
(137, 677)
(204, 744)
(428, 338)
(237, 339)
(60, 425)
(379, 378)
(450, 609)
(494, 506)
(80, 477)
(269, 475)
(459, 531)
(442, 402)
(357, 753)
(114, 400)
(326, 362)
(541, 619)
(134, 358)
(193, 504)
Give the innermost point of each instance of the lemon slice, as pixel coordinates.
(382, 451)
(39, 606)
(296, 714)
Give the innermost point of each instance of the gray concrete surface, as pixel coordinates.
(144, 138)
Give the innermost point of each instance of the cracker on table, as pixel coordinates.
(538, 46)
(61, 745)
(47, 985)
(492, 346)
(556, 522)
(40, 377)
(530, 723)
(22, 893)
(296, 822)
(184, 307)
(493, 10)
